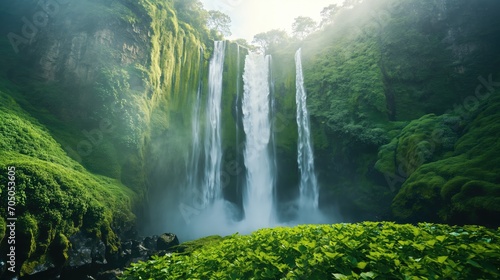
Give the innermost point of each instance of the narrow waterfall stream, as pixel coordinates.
(213, 142)
(309, 190)
(193, 174)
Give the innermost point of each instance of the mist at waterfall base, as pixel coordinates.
(198, 207)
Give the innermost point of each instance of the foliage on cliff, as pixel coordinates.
(55, 196)
(93, 92)
(461, 186)
(383, 76)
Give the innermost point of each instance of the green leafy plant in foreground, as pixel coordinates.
(367, 250)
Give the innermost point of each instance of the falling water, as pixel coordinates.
(208, 212)
(309, 190)
(258, 198)
(213, 147)
(237, 121)
(194, 161)
(272, 115)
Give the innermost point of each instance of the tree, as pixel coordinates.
(270, 39)
(303, 26)
(328, 13)
(191, 12)
(219, 22)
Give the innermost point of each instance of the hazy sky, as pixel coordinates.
(250, 17)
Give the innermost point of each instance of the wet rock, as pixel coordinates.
(150, 242)
(166, 241)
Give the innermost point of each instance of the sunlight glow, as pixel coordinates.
(250, 17)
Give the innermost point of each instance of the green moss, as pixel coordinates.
(285, 123)
(55, 196)
(188, 248)
(464, 186)
(232, 86)
(423, 140)
(27, 227)
(3, 227)
(57, 255)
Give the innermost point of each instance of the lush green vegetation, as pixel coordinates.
(340, 251)
(382, 77)
(460, 186)
(55, 196)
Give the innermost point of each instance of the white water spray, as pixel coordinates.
(213, 145)
(309, 190)
(258, 198)
(194, 160)
(203, 208)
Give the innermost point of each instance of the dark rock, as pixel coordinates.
(86, 250)
(110, 275)
(166, 241)
(88, 257)
(150, 242)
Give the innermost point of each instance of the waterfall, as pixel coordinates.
(203, 207)
(213, 147)
(258, 198)
(193, 173)
(237, 121)
(273, 131)
(309, 190)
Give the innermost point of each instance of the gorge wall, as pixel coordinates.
(395, 89)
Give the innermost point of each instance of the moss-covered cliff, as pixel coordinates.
(384, 80)
(89, 91)
(55, 197)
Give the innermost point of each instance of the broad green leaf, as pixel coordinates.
(419, 247)
(441, 238)
(442, 259)
(362, 265)
(431, 243)
(339, 276)
(333, 255)
(474, 263)
(367, 275)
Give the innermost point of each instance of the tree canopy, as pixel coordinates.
(270, 39)
(303, 26)
(328, 13)
(192, 12)
(219, 22)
